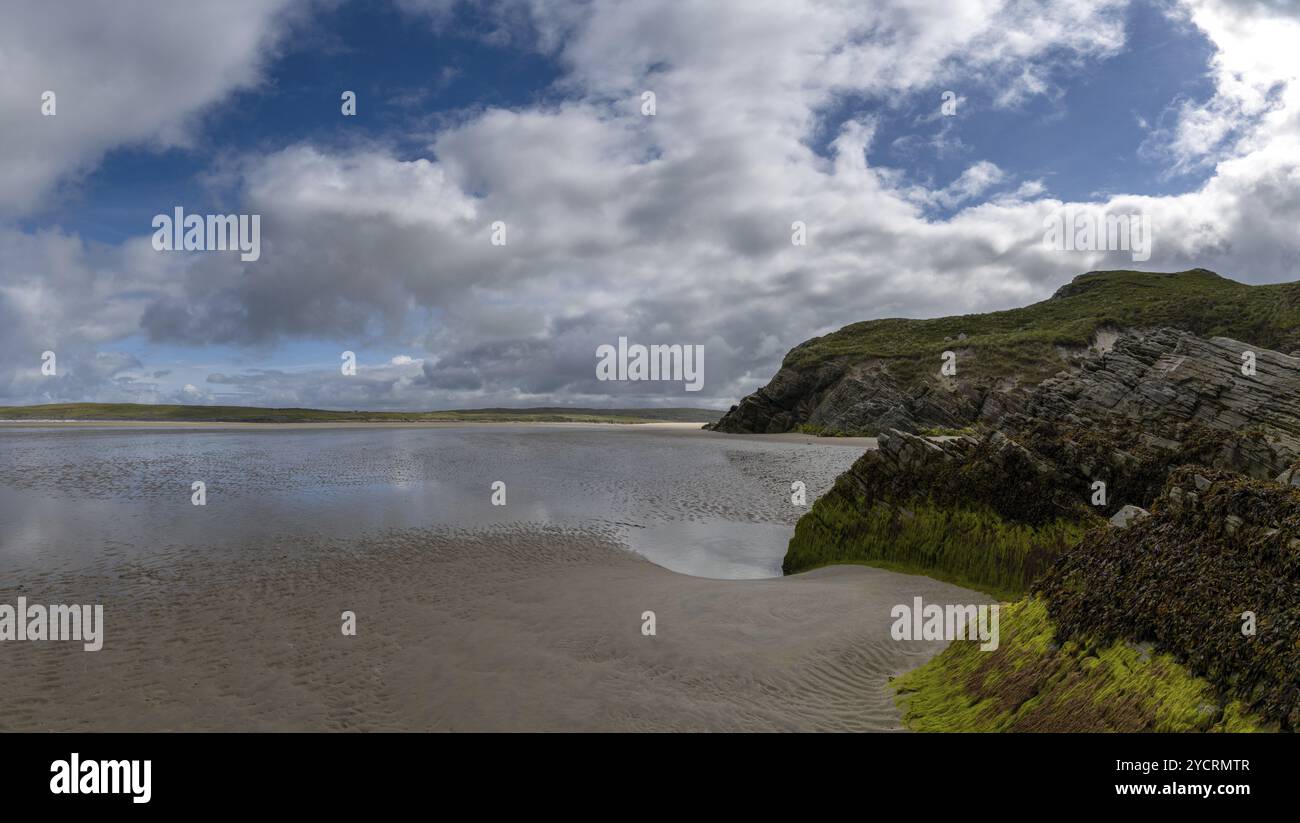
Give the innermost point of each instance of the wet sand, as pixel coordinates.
(512, 629)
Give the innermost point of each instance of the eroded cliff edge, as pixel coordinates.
(886, 374)
(1069, 495)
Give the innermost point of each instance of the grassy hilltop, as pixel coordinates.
(1198, 301)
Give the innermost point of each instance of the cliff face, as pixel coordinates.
(1169, 377)
(994, 509)
(1131, 463)
(887, 374)
(868, 396)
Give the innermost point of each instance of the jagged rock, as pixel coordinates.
(1168, 378)
(1034, 482)
(1160, 379)
(1127, 515)
(883, 374)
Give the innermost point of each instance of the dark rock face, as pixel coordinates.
(866, 398)
(1163, 380)
(1216, 547)
(997, 509)
(994, 471)
(1171, 377)
(1198, 459)
(783, 403)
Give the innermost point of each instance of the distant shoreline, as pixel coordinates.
(337, 424)
(48, 413)
(661, 426)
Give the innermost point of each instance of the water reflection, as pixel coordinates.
(704, 505)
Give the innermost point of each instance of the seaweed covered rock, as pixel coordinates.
(1134, 461)
(994, 511)
(1212, 577)
(1037, 682)
(985, 512)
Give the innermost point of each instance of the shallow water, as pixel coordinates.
(701, 504)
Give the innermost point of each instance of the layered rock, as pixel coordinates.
(884, 374)
(1168, 377)
(874, 395)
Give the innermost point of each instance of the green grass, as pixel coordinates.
(1023, 341)
(1034, 682)
(971, 547)
(252, 414)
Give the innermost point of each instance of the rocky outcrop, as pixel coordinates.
(1141, 346)
(1168, 377)
(871, 396)
(1212, 576)
(984, 512)
(1128, 515)
(993, 511)
(1147, 492)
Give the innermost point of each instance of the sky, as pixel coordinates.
(921, 145)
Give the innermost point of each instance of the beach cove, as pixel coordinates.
(468, 616)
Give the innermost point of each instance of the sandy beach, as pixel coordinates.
(683, 429)
(513, 630)
(469, 616)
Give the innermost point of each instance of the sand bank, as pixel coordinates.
(508, 630)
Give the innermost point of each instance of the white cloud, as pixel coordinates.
(676, 228)
(127, 72)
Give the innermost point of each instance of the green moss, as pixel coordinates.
(822, 431)
(1033, 682)
(970, 547)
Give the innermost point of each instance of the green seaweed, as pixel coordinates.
(1216, 547)
(972, 547)
(1035, 682)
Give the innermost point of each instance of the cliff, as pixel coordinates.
(881, 374)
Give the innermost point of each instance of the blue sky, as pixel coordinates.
(669, 229)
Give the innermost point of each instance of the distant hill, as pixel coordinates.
(91, 412)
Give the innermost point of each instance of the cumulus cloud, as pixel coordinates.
(123, 73)
(676, 228)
